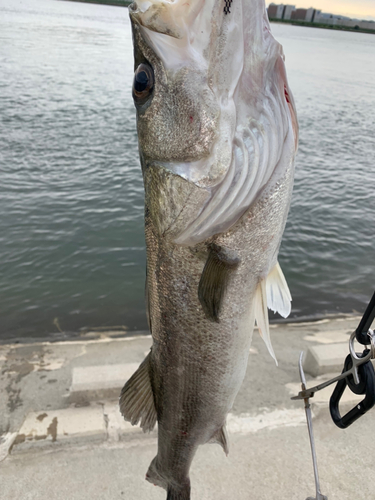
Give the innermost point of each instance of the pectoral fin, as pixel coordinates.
(214, 280)
(137, 399)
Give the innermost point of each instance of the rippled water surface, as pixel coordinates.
(72, 251)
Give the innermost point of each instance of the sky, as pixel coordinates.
(358, 9)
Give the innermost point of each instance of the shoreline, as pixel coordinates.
(108, 333)
(126, 3)
(321, 25)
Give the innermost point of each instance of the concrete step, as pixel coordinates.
(56, 427)
(103, 422)
(94, 423)
(325, 358)
(94, 417)
(92, 383)
(104, 382)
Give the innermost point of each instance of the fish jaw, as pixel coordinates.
(221, 114)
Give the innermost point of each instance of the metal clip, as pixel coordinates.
(357, 361)
(365, 323)
(363, 383)
(358, 374)
(371, 334)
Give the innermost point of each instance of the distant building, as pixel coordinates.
(367, 25)
(288, 9)
(311, 15)
(280, 11)
(333, 19)
(275, 11)
(352, 23)
(299, 14)
(316, 16)
(307, 15)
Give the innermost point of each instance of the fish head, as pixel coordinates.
(213, 103)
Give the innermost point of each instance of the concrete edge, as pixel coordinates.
(288, 322)
(76, 342)
(102, 422)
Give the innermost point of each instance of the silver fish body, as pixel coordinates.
(217, 136)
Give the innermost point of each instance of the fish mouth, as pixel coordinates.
(231, 43)
(171, 18)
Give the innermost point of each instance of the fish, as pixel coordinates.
(218, 135)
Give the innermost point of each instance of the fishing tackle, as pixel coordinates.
(366, 385)
(363, 379)
(319, 495)
(358, 375)
(352, 368)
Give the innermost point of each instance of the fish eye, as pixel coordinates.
(143, 83)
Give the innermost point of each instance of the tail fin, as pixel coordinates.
(180, 493)
(174, 492)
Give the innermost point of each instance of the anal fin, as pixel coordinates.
(214, 280)
(137, 399)
(221, 437)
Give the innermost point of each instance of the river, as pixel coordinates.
(72, 251)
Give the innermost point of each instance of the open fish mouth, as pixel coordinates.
(246, 121)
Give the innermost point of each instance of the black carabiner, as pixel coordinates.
(366, 386)
(365, 323)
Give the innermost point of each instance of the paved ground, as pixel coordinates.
(63, 438)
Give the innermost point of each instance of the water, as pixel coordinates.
(72, 251)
